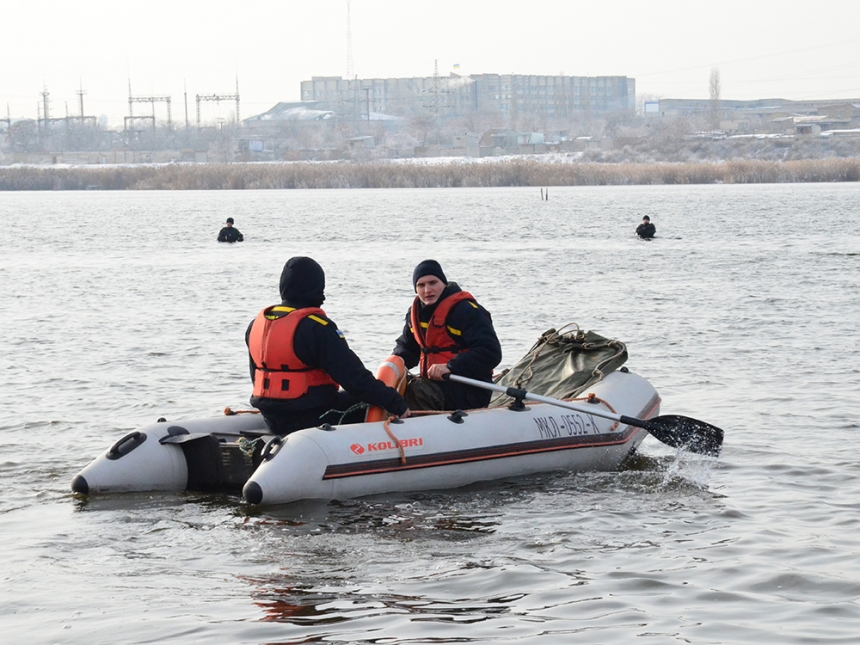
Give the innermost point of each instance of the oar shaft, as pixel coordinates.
(517, 393)
(675, 431)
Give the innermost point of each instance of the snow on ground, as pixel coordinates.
(551, 158)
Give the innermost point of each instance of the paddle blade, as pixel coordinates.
(686, 433)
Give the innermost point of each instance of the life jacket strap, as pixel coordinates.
(438, 350)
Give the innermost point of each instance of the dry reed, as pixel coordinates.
(531, 171)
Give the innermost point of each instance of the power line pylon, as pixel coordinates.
(217, 98)
(437, 98)
(152, 100)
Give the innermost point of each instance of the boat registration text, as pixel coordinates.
(566, 425)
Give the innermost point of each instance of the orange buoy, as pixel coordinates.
(392, 372)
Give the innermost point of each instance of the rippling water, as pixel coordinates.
(119, 308)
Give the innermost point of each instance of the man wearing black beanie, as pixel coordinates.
(646, 230)
(446, 331)
(428, 267)
(298, 357)
(230, 233)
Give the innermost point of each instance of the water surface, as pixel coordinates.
(119, 308)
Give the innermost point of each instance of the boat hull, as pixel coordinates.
(449, 452)
(167, 456)
(425, 452)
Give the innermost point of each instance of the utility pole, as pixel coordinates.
(43, 121)
(45, 105)
(80, 94)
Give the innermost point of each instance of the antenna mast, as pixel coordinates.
(349, 70)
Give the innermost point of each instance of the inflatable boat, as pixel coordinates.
(602, 413)
(432, 451)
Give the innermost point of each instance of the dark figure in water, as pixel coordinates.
(646, 230)
(229, 233)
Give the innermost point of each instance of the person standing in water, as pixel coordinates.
(229, 233)
(646, 230)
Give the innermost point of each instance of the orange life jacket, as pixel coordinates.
(280, 374)
(435, 342)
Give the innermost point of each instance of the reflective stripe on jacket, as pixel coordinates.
(279, 372)
(435, 337)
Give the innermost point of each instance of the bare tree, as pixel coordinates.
(24, 136)
(714, 86)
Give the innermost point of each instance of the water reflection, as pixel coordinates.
(282, 601)
(404, 517)
(477, 555)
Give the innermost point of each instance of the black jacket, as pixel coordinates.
(230, 234)
(646, 231)
(478, 337)
(324, 346)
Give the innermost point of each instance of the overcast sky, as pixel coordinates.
(763, 49)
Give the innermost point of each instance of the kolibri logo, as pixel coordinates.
(384, 446)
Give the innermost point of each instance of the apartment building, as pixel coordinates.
(454, 95)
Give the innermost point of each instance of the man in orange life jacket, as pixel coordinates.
(446, 331)
(298, 357)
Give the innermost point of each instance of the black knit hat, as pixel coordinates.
(303, 282)
(229, 220)
(428, 267)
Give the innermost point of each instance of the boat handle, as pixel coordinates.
(125, 445)
(272, 448)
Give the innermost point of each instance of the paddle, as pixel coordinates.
(673, 430)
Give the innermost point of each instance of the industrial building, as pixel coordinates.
(455, 95)
(773, 116)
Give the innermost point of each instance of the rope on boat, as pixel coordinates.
(547, 338)
(562, 339)
(593, 398)
(247, 446)
(386, 425)
(228, 411)
(358, 406)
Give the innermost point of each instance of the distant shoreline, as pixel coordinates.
(435, 173)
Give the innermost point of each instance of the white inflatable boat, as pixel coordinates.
(433, 451)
